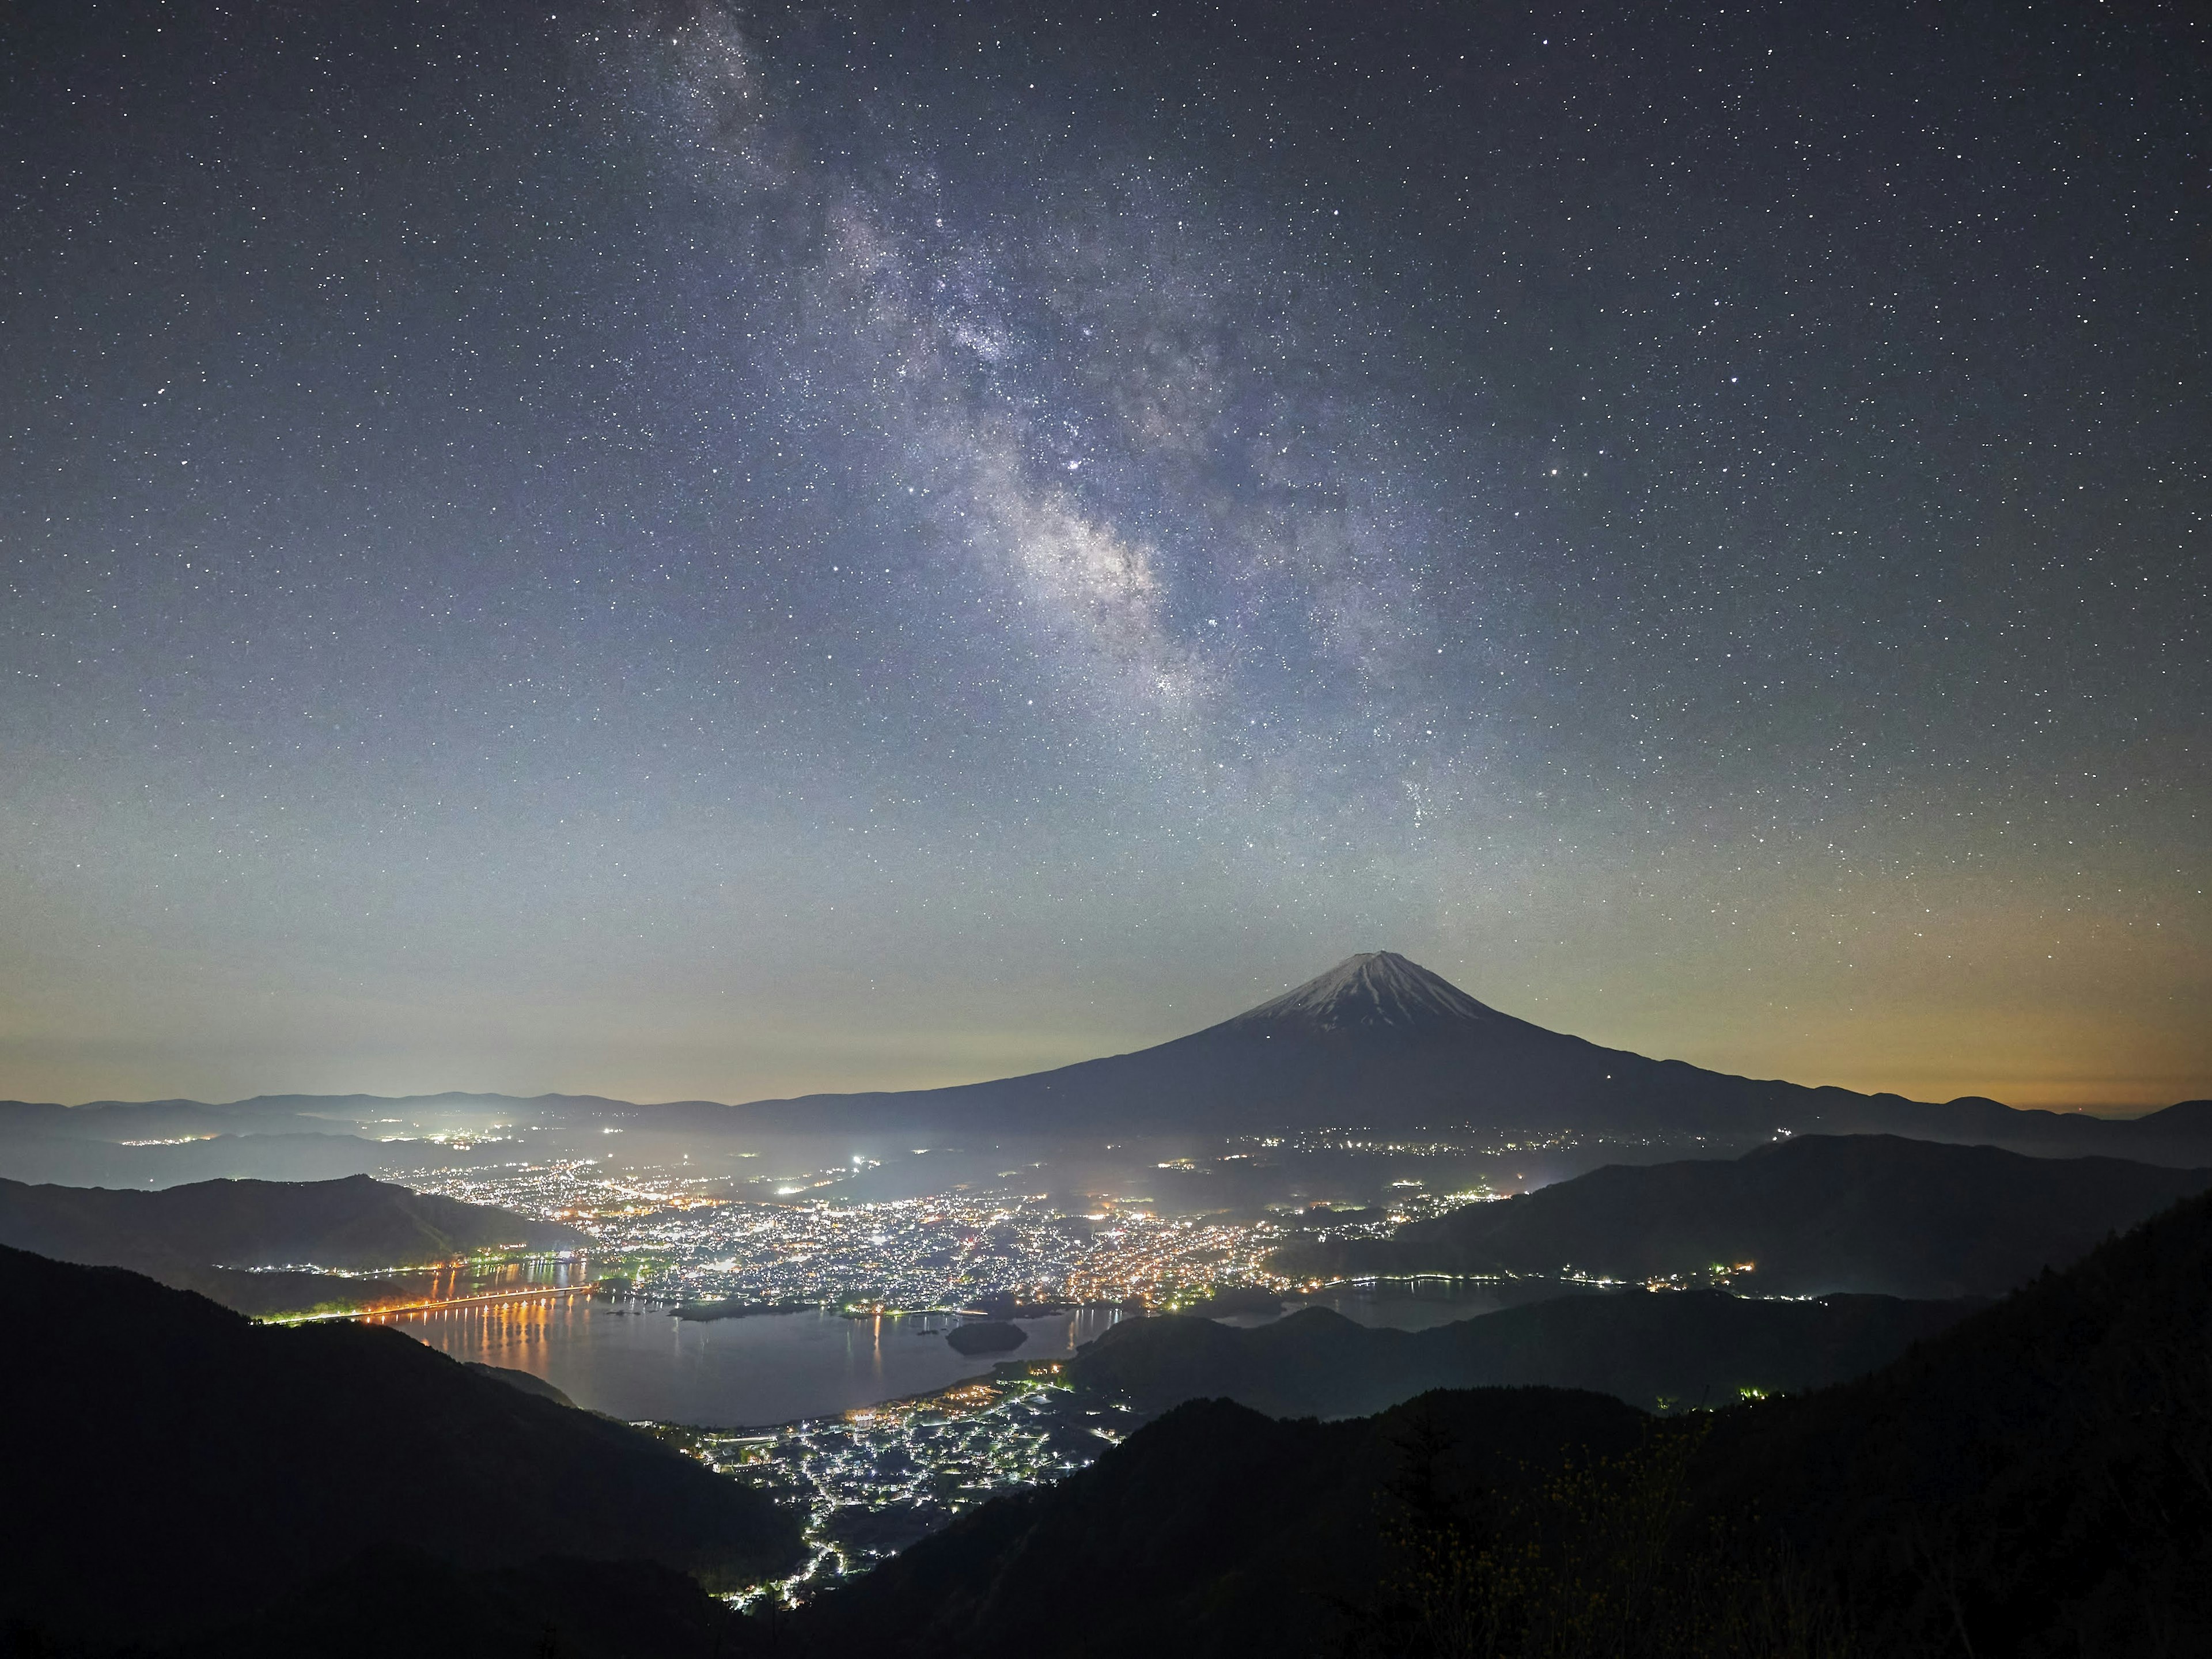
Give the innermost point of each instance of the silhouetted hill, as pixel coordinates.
(2037, 1481)
(528, 1381)
(354, 1223)
(1816, 1214)
(171, 1466)
(202, 1236)
(2174, 1130)
(405, 1604)
(1658, 1350)
(1213, 1531)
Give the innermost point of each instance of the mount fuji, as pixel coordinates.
(1379, 1041)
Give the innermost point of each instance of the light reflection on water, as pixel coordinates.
(458, 1281)
(636, 1362)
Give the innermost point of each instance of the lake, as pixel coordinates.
(636, 1362)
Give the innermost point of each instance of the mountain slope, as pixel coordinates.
(1692, 1348)
(174, 1465)
(1815, 1214)
(1377, 1040)
(391, 1602)
(2037, 1481)
(1381, 1041)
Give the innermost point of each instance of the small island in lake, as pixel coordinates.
(986, 1336)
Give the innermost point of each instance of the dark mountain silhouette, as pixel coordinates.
(355, 1223)
(528, 1381)
(1815, 1214)
(2035, 1481)
(202, 1236)
(172, 1467)
(406, 1604)
(1377, 1041)
(1382, 1042)
(1658, 1350)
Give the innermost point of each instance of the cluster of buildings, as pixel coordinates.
(874, 1480)
(672, 1238)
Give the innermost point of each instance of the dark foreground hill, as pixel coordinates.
(406, 1604)
(1658, 1351)
(2035, 1481)
(207, 1236)
(174, 1469)
(1820, 1213)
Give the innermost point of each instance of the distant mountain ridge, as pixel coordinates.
(213, 1235)
(354, 1223)
(1377, 1042)
(1653, 1350)
(1815, 1215)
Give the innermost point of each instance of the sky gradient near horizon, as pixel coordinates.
(668, 551)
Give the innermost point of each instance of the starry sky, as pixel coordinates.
(681, 551)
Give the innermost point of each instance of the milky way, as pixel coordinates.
(677, 550)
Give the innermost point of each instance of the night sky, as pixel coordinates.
(680, 551)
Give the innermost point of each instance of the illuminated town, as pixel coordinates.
(668, 1238)
(871, 1480)
(874, 1480)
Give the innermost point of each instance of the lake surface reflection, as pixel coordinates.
(636, 1362)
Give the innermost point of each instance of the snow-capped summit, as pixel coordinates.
(1373, 990)
(1380, 1042)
